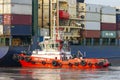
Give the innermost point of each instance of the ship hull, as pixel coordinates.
(112, 53)
(6, 60)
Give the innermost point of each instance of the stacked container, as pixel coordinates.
(89, 15)
(16, 18)
(108, 24)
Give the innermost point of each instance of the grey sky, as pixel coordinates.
(104, 2)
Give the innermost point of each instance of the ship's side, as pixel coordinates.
(17, 29)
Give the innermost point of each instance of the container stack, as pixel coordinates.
(16, 19)
(89, 15)
(118, 23)
(108, 25)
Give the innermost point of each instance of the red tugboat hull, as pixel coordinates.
(76, 63)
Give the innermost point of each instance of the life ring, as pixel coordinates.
(83, 63)
(90, 64)
(76, 63)
(43, 62)
(54, 63)
(100, 64)
(96, 64)
(70, 64)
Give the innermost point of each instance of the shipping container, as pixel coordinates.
(108, 18)
(117, 17)
(93, 8)
(6, 30)
(1, 19)
(108, 10)
(118, 25)
(108, 34)
(108, 26)
(89, 16)
(91, 34)
(89, 7)
(17, 1)
(44, 32)
(15, 19)
(17, 9)
(21, 30)
(91, 25)
(1, 29)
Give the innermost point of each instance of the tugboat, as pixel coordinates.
(56, 53)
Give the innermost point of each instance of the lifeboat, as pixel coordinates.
(63, 14)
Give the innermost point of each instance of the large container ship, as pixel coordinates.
(92, 29)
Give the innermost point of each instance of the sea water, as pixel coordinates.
(111, 73)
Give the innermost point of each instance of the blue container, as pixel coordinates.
(21, 30)
(117, 17)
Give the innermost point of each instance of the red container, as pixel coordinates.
(108, 26)
(15, 19)
(118, 26)
(63, 14)
(91, 34)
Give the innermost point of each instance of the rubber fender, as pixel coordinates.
(27, 59)
(96, 64)
(100, 64)
(43, 62)
(90, 64)
(70, 64)
(76, 63)
(83, 63)
(54, 63)
(60, 64)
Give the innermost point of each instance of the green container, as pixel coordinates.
(108, 34)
